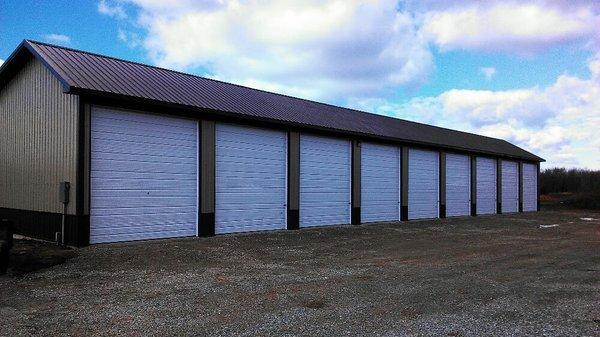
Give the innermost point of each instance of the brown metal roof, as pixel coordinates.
(84, 72)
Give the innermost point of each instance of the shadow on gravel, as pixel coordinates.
(29, 256)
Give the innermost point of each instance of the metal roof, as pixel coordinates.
(83, 72)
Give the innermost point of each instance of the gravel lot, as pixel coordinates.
(499, 275)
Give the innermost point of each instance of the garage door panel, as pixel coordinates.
(458, 185)
(128, 137)
(248, 216)
(107, 237)
(143, 166)
(131, 224)
(149, 184)
(157, 158)
(324, 181)
(251, 179)
(152, 150)
(258, 152)
(144, 185)
(510, 186)
(145, 210)
(110, 126)
(110, 150)
(423, 184)
(249, 170)
(106, 202)
(135, 135)
(380, 182)
(530, 189)
(136, 120)
(486, 185)
(154, 193)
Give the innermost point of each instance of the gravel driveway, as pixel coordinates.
(499, 275)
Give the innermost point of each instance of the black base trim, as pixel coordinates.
(293, 219)
(356, 215)
(44, 225)
(442, 211)
(404, 213)
(520, 207)
(206, 227)
(499, 208)
(473, 209)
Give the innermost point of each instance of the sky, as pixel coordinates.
(527, 72)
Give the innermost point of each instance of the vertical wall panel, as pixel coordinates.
(38, 141)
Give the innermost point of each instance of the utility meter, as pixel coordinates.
(63, 193)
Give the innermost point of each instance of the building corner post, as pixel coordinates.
(206, 165)
(539, 190)
(520, 186)
(442, 182)
(80, 234)
(473, 185)
(498, 185)
(356, 183)
(293, 169)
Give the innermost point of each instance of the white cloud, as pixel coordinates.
(58, 38)
(559, 122)
(323, 49)
(333, 49)
(1, 62)
(517, 27)
(114, 10)
(132, 39)
(363, 52)
(488, 72)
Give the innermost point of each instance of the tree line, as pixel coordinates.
(557, 180)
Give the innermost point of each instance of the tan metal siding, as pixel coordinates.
(38, 141)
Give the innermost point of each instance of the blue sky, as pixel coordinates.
(528, 72)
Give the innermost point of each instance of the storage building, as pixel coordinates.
(154, 153)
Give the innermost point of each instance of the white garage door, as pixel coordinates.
(458, 185)
(324, 181)
(510, 186)
(380, 182)
(423, 184)
(486, 185)
(251, 179)
(529, 187)
(144, 178)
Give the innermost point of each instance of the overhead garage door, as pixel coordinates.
(251, 179)
(510, 186)
(486, 185)
(530, 187)
(144, 178)
(423, 184)
(324, 181)
(380, 182)
(458, 185)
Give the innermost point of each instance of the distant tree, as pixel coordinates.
(557, 180)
